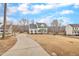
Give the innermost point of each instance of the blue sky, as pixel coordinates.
(42, 12)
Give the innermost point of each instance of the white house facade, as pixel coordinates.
(38, 28)
(72, 29)
(32, 28)
(8, 29)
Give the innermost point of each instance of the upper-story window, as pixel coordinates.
(75, 28)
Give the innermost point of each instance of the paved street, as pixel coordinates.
(25, 46)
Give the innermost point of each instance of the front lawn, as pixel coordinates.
(6, 44)
(58, 45)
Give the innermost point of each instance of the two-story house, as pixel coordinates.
(38, 28)
(72, 29)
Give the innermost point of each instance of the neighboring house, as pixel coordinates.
(8, 28)
(38, 28)
(72, 29)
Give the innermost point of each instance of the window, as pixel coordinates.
(73, 28)
(74, 32)
(35, 31)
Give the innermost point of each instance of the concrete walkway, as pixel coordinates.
(25, 46)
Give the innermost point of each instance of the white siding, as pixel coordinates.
(46, 30)
(69, 30)
(10, 29)
(32, 31)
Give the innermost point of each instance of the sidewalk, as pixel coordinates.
(25, 47)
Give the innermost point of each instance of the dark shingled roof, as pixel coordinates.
(40, 25)
(33, 26)
(74, 25)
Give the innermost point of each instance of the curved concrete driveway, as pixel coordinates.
(25, 46)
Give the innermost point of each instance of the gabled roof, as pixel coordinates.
(74, 25)
(38, 25)
(33, 26)
(41, 25)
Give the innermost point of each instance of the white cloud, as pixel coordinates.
(11, 10)
(49, 19)
(46, 20)
(55, 5)
(1, 19)
(9, 19)
(66, 12)
(42, 7)
(76, 5)
(39, 8)
(36, 8)
(12, 20)
(64, 20)
(41, 1)
(23, 8)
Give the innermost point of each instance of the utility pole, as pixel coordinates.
(4, 21)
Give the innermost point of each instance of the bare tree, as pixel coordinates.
(4, 22)
(55, 26)
(8, 22)
(23, 23)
